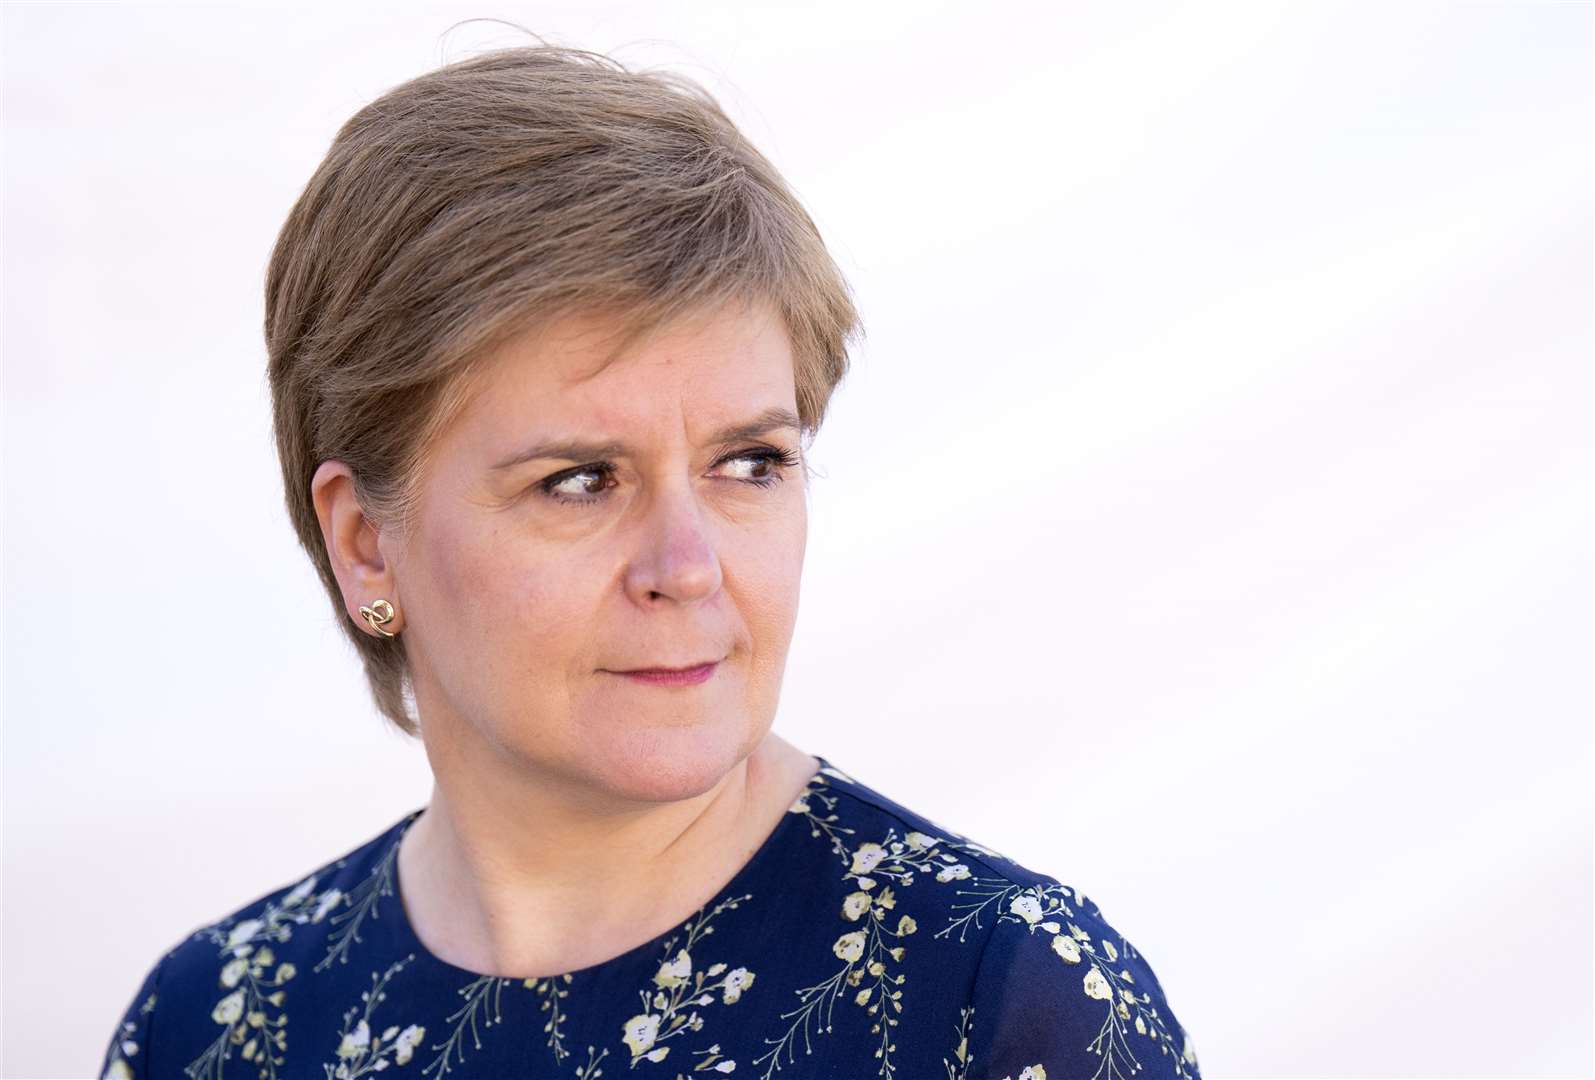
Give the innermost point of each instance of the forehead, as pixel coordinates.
(572, 376)
(731, 334)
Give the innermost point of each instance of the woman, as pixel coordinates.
(547, 338)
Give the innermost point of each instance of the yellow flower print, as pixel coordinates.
(855, 905)
(920, 841)
(119, 1070)
(355, 1042)
(850, 947)
(639, 1033)
(866, 856)
(675, 972)
(1096, 985)
(234, 971)
(1030, 1072)
(1066, 948)
(229, 1008)
(736, 981)
(1112, 953)
(954, 872)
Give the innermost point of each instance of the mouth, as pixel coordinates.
(684, 676)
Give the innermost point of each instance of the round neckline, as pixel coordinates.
(410, 942)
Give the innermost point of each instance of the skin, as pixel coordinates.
(577, 813)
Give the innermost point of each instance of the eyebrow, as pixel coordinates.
(772, 419)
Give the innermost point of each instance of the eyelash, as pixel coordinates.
(781, 459)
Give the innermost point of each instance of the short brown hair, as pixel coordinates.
(485, 199)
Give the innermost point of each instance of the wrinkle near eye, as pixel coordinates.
(778, 462)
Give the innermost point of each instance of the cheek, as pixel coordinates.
(458, 567)
(503, 599)
(771, 580)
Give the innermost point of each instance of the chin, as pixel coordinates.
(671, 764)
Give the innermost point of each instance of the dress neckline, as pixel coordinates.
(409, 942)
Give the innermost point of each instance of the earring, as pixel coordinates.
(377, 615)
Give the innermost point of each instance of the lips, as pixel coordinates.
(681, 677)
(662, 670)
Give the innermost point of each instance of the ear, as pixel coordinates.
(363, 572)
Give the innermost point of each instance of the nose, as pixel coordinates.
(675, 553)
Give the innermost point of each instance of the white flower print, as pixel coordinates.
(1027, 907)
(866, 856)
(300, 891)
(243, 932)
(640, 1033)
(328, 900)
(355, 1042)
(1067, 948)
(674, 972)
(736, 981)
(408, 1039)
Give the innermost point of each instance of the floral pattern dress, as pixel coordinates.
(860, 940)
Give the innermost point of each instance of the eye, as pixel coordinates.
(768, 463)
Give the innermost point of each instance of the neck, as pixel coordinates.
(544, 877)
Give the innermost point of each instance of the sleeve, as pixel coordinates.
(127, 1055)
(1060, 995)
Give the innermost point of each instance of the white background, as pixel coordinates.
(1206, 521)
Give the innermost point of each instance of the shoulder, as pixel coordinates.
(1055, 990)
(316, 907)
(867, 812)
(1061, 991)
(225, 971)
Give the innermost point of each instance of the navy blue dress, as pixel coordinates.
(860, 940)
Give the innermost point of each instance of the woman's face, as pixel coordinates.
(531, 581)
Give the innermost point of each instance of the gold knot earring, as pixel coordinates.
(377, 616)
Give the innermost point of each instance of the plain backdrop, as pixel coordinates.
(1206, 522)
